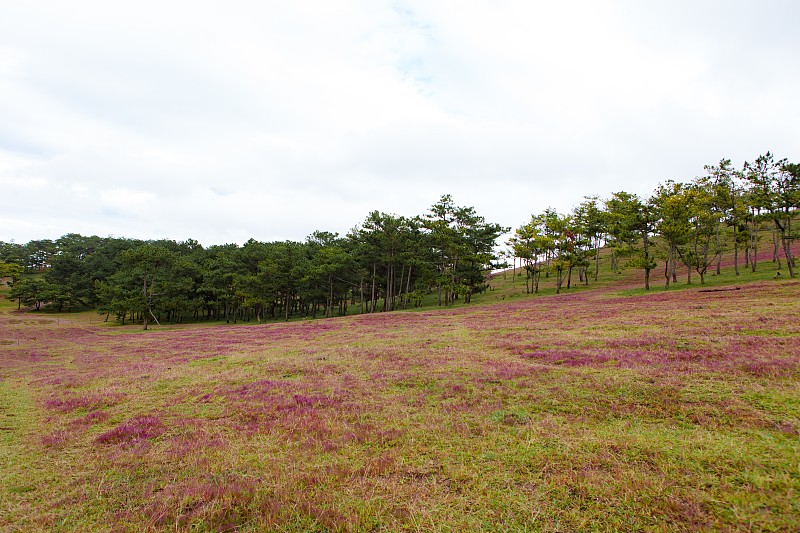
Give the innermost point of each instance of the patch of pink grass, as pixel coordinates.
(71, 401)
(95, 417)
(133, 430)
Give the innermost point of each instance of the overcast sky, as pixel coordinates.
(222, 121)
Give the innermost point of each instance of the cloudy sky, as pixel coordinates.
(222, 121)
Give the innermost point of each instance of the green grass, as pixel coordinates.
(607, 410)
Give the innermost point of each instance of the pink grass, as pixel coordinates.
(467, 417)
(133, 430)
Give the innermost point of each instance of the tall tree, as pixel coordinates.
(328, 272)
(560, 233)
(150, 265)
(531, 244)
(464, 246)
(671, 202)
(719, 180)
(775, 192)
(591, 219)
(283, 270)
(700, 251)
(589, 222)
(31, 291)
(222, 273)
(633, 223)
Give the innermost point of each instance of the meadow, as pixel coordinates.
(595, 410)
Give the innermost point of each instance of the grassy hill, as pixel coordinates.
(604, 408)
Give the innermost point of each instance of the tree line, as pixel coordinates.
(391, 262)
(692, 223)
(387, 262)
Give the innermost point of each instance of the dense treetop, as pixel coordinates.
(385, 263)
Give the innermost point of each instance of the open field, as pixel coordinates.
(592, 410)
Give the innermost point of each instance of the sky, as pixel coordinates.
(225, 121)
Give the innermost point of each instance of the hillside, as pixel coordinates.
(605, 409)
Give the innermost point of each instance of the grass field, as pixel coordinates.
(602, 410)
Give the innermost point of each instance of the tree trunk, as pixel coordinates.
(776, 257)
(387, 294)
(361, 292)
(735, 249)
(527, 277)
(398, 297)
(408, 287)
(747, 253)
(329, 312)
(144, 294)
(674, 266)
(597, 259)
(374, 298)
(513, 269)
(646, 249)
(559, 280)
(666, 268)
(754, 244)
(786, 240)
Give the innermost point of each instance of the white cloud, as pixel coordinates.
(224, 121)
